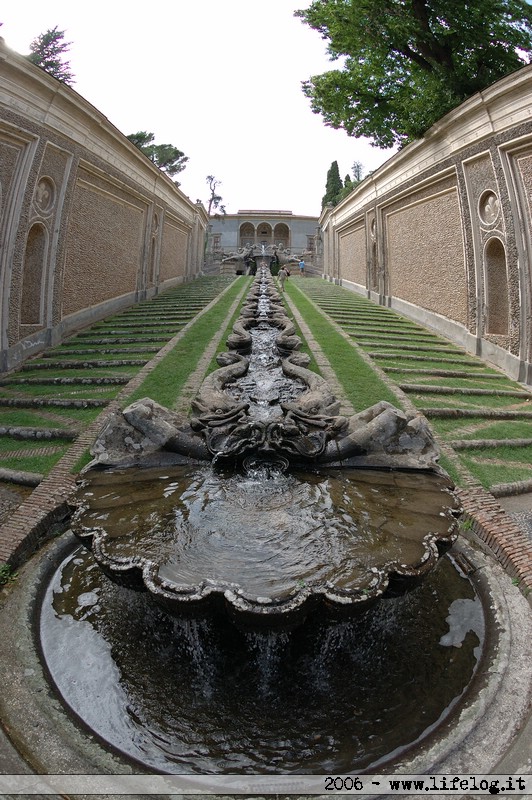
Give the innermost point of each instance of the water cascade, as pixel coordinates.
(267, 502)
(313, 626)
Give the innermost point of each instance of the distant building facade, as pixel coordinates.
(268, 231)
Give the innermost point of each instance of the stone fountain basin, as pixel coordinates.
(265, 545)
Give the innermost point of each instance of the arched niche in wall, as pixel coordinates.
(281, 234)
(153, 261)
(247, 234)
(373, 265)
(264, 233)
(496, 287)
(31, 304)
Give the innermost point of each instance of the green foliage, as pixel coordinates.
(333, 186)
(335, 190)
(404, 65)
(47, 52)
(6, 574)
(165, 156)
(165, 382)
(368, 388)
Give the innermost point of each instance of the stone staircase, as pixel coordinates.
(46, 403)
(479, 414)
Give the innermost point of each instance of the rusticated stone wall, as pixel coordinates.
(352, 248)
(443, 230)
(424, 237)
(104, 248)
(174, 242)
(88, 224)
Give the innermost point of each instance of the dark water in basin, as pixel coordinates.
(203, 696)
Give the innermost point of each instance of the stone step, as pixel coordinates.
(429, 389)
(447, 373)
(33, 434)
(43, 402)
(117, 380)
(87, 351)
(137, 326)
(474, 413)
(476, 444)
(461, 358)
(91, 339)
(413, 347)
(387, 330)
(145, 319)
(20, 478)
(103, 364)
(394, 339)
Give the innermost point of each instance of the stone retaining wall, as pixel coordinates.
(442, 232)
(88, 224)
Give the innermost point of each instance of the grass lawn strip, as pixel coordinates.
(471, 387)
(361, 382)
(56, 384)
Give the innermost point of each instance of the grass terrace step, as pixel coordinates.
(449, 373)
(412, 348)
(465, 413)
(42, 402)
(476, 444)
(69, 384)
(114, 380)
(407, 352)
(24, 433)
(57, 364)
(421, 388)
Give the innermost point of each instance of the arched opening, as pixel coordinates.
(265, 234)
(152, 275)
(373, 274)
(281, 235)
(247, 235)
(31, 305)
(496, 291)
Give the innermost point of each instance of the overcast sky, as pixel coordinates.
(219, 79)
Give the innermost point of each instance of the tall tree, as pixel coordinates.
(165, 156)
(358, 171)
(333, 186)
(405, 63)
(47, 52)
(215, 199)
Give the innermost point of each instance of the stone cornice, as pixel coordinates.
(500, 107)
(39, 98)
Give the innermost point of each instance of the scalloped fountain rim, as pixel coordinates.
(389, 579)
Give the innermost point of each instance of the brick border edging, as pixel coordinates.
(504, 538)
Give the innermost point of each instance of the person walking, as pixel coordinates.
(302, 268)
(282, 275)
